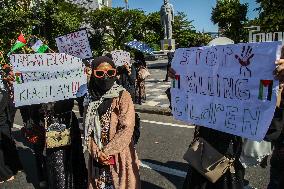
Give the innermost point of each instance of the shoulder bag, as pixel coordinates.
(144, 73)
(57, 134)
(207, 160)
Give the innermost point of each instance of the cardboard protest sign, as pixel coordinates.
(48, 77)
(75, 44)
(120, 57)
(230, 88)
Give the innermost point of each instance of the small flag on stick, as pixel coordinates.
(19, 78)
(39, 46)
(19, 44)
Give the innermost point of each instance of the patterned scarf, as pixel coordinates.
(92, 119)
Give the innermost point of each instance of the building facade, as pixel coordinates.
(92, 4)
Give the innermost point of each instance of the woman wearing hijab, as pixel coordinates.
(66, 168)
(57, 167)
(109, 125)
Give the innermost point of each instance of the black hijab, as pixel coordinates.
(99, 86)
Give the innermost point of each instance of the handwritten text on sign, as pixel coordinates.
(75, 44)
(46, 77)
(229, 88)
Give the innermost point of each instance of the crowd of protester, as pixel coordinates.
(111, 132)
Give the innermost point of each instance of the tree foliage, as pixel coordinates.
(110, 28)
(48, 20)
(114, 26)
(154, 32)
(13, 20)
(230, 16)
(54, 19)
(184, 33)
(271, 17)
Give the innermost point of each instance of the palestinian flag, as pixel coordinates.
(176, 82)
(19, 78)
(39, 46)
(265, 90)
(19, 44)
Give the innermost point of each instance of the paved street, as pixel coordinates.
(161, 147)
(155, 87)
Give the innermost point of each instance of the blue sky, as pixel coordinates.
(197, 10)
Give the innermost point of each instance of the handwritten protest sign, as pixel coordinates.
(120, 57)
(229, 88)
(49, 77)
(75, 44)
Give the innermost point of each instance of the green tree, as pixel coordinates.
(50, 18)
(184, 33)
(230, 16)
(271, 15)
(115, 26)
(111, 27)
(153, 33)
(58, 18)
(13, 20)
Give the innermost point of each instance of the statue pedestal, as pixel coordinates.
(165, 43)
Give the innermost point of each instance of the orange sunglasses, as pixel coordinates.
(102, 73)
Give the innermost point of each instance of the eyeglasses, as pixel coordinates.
(102, 73)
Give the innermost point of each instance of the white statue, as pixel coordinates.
(167, 18)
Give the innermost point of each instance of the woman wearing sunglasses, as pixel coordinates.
(109, 125)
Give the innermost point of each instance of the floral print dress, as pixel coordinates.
(105, 178)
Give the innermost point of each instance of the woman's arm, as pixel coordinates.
(126, 119)
(96, 153)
